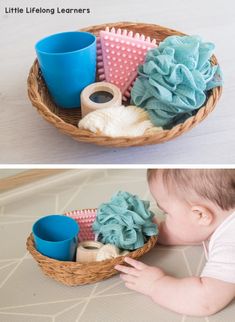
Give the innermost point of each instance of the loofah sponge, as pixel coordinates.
(119, 53)
(174, 80)
(125, 221)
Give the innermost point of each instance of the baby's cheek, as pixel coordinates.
(180, 230)
(176, 228)
(186, 234)
(173, 227)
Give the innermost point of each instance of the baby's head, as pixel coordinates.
(196, 201)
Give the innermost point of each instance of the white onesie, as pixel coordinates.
(221, 252)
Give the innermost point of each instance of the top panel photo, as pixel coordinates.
(117, 82)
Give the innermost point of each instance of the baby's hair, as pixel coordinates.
(216, 185)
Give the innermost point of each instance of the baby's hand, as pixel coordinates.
(140, 277)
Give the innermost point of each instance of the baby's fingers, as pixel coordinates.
(127, 270)
(128, 278)
(131, 286)
(138, 265)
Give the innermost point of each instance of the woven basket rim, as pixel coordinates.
(150, 137)
(31, 247)
(30, 240)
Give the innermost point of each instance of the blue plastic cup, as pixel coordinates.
(68, 64)
(56, 236)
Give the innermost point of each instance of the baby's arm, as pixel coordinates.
(191, 296)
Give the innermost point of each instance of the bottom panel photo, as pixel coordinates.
(117, 245)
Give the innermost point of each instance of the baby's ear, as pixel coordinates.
(202, 215)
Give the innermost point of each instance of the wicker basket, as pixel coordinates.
(75, 273)
(66, 120)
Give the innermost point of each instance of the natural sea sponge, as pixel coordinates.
(116, 121)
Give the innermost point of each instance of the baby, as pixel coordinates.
(200, 207)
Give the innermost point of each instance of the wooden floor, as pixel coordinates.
(24, 177)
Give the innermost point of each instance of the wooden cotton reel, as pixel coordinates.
(100, 95)
(87, 251)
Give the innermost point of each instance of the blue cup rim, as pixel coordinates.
(67, 52)
(59, 241)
